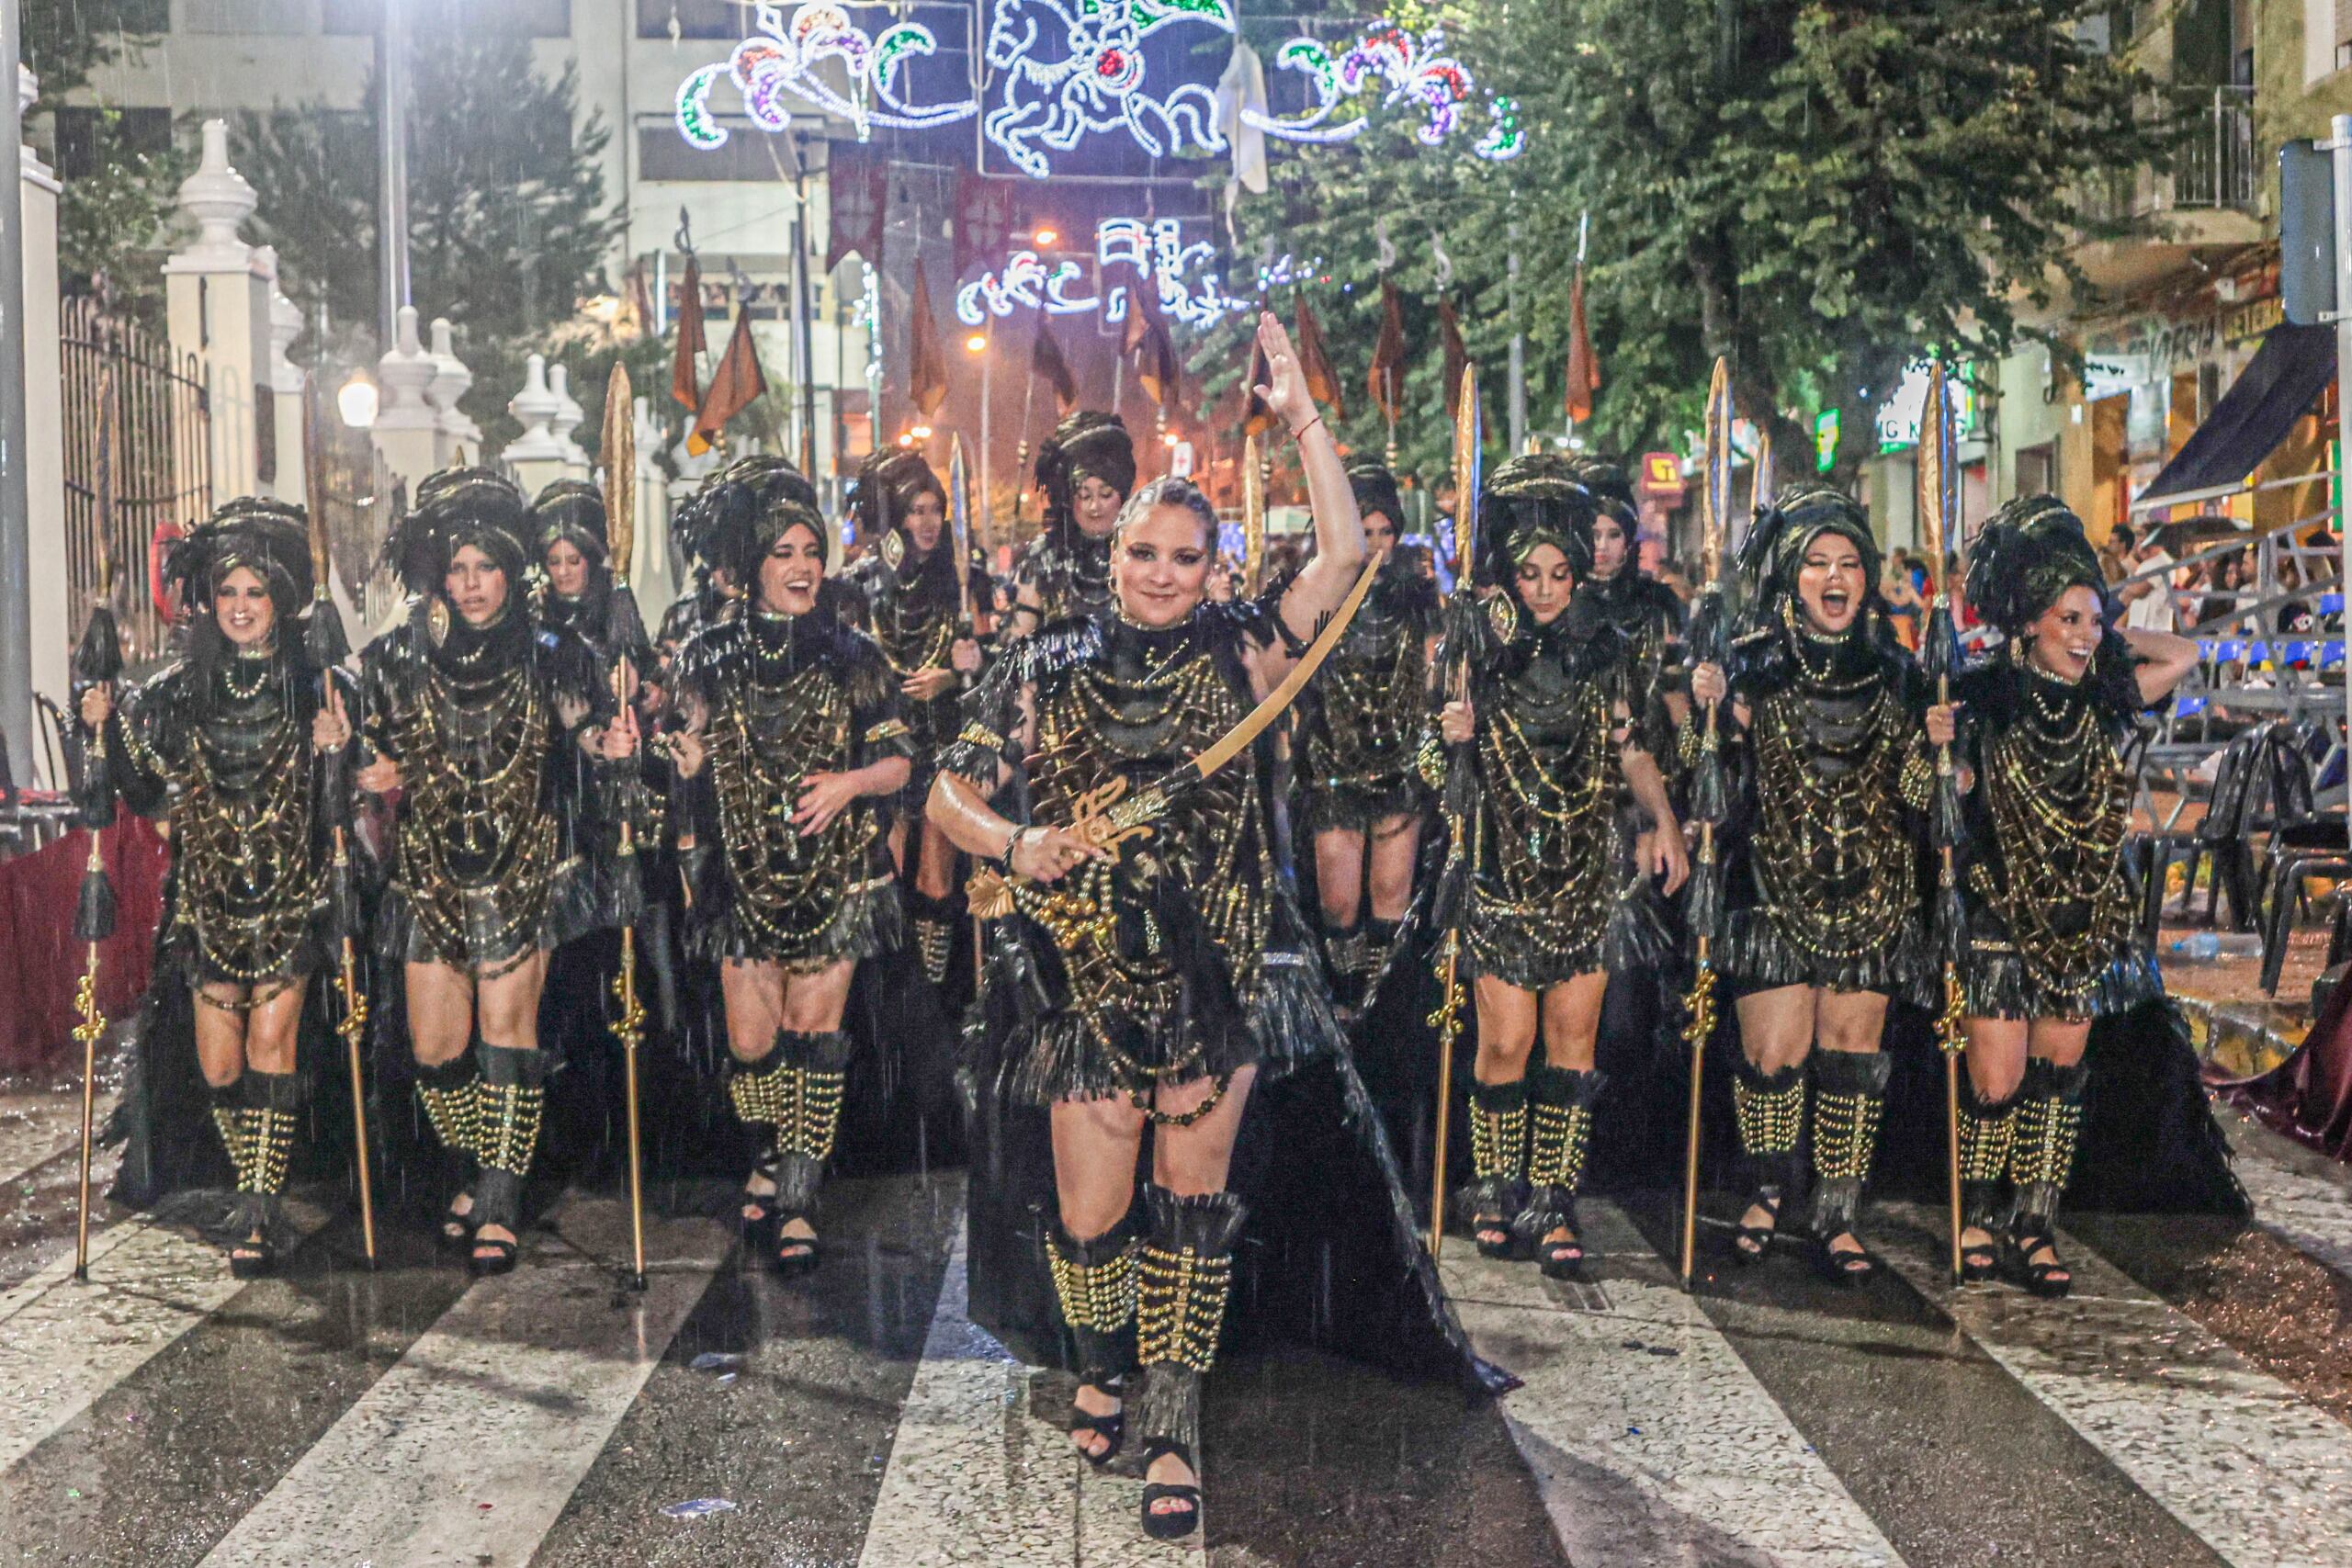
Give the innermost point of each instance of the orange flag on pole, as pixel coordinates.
(734, 387)
(1584, 365)
(927, 369)
(685, 377)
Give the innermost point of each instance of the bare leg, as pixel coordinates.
(1339, 875)
(1095, 1146)
(935, 870)
(1395, 848)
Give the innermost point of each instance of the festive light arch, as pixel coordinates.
(1153, 249)
(1071, 70)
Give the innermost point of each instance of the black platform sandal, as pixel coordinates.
(456, 1231)
(793, 1255)
(1111, 1429)
(492, 1255)
(256, 1256)
(1979, 1262)
(1171, 1523)
(2050, 1280)
(1493, 1236)
(1561, 1259)
(1751, 1245)
(1848, 1271)
(757, 1211)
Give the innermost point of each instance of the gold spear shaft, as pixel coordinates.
(92, 1023)
(1938, 503)
(618, 450)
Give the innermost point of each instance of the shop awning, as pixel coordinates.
(2290, 370)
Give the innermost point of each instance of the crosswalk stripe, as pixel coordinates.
(2265, 1478)
(64, 1342)
(467, 1449)
(2309, 1214)
(1652, 1441)
(975, 1475)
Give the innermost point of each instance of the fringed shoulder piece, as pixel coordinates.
(704, 656)
(570, 666)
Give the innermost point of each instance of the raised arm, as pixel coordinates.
(2164, 660)
(1339, 530)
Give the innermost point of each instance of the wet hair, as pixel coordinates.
(1168, 491)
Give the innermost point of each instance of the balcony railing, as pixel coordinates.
(2213, 160)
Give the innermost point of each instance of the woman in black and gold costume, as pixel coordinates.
(792, 749)
(1547, 736)
(472, 708)
(907, 602)
(2053, 939)
(1361, 797)
(1822, 893)
(1152, 987)
(226, 740)
(1087, 468)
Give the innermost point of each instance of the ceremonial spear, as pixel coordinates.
(97, 661)
(1253, 517)
(624, 633)
(959, 540)
(1939, 506)
(1463, 820)
(1709, 807)
(328, 647)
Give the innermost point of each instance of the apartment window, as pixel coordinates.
(278, 17)
(2327, 29)
(693, 19)
(507, 18)
(664, 155)
(83, 135)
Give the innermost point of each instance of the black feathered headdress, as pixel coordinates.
(1774, 550)
(1375, 491)
(740, 511)
(1088, 443)
(455, 508)
(573, 511)
(271, 537)
(1531, 500)
(888, 483)
(2031, 552)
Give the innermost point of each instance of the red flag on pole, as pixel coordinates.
(927, 367)
(1322, 381)
(735, 386)
(686, 378)
(1148, 338)
(1387, 380)
(1045, 361)
(983, 221)
(1457, 357)
(1584, 366)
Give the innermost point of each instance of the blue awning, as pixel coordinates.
(2278, 386)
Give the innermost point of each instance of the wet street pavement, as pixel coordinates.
(2187, 1406)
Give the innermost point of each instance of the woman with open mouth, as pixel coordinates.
(1154, 982)
(1822, 891)
(907, 601)
(791, 750)
(1087, 468)
(2053, 934)
(1360, 799)
(472, 709)
(225, 740)
(1544, 738)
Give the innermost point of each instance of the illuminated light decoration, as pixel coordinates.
(1287, 270)
(780, 64)
(1095, 84)
(1412, 71)
(1187, 289)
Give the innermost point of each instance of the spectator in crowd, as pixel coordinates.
(2115, 555)
(2147, 596)
(1903, 606)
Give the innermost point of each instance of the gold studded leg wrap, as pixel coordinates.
(1559, 1133)
(934, 940)
(451, 1103)
(762, 1090)
(510, 1101)
(271, 1102)
(2050, 1123)
(1498, 1148)
(1849, 1101)
(1096, 1282)
(1379, 936)
(1768, 1111)
(232, 1121)
(1184, 1274)
(797, 1090)
(1988, 1133)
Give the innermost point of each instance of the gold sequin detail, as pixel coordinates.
(508, 1124)
(1845, 1131)
(1557, 1140)
(1497, 1142)
(1985, 1143)
(1180, 1306)
(456, 1116)
(2047, 1131)
(1770, 1120)
(1102, 1296)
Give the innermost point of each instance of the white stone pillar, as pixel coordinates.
(460, 434)
(407, 431)
(287, 384)
(568, 415)
(52, 606)
(536, 455)
(652, 573)
(217, 304)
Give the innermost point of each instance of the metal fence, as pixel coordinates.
(138, 459)
(2215, 165)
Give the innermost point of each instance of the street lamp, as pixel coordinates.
(356, 400)
(976, 343)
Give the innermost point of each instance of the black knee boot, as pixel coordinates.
(2042, 1158)
(1185, 1273)
(1768, 1108)
(1379, 938)
(1343, 956)
(1848, 1101)
(1095, 1282)
(450, 1096)
(1988, 1133)
(1559, 1132)
(933, 922)
(1498, 1162)
(510, 1102)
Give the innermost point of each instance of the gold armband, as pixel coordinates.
(889, 729)
(977, 734)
